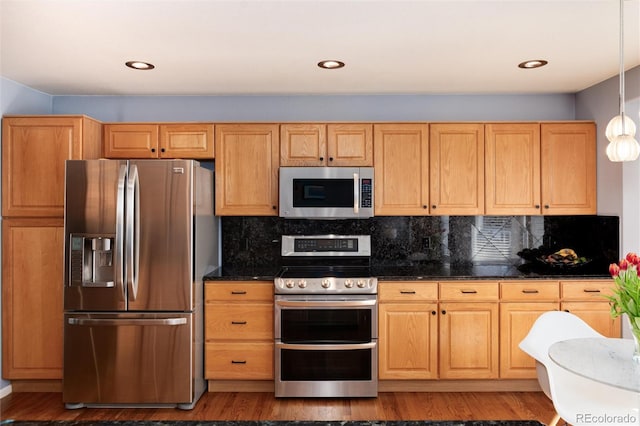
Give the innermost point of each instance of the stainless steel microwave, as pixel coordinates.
(326, 192)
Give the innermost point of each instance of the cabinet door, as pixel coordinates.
(408, 341)
(512, 162)
(303, 145)
(456, 162)
(516, 319)
(247, 169)
(468, 340)
(350, 145)
(32, 298)
(401, 158)
(34, 150)
(568, 157)
(186, 141)
(597, 315)
(131, 140)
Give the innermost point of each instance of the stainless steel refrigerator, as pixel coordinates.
(139, 236)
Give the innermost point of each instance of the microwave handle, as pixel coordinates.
(356, 193)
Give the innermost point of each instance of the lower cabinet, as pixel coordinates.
(239, 330)
(472, 329)
(32, 298)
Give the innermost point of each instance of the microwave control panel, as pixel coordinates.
(365, 191)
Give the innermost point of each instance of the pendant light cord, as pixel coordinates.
(622, 66)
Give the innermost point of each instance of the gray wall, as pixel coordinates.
(18, 99)
(320, 108)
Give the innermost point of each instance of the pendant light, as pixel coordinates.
(621, 129)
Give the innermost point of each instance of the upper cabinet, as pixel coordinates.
(401, 158)
(326, 144)
(456, 167)
(34, 151)
(568, 170)
(512, 164)
(150, 140)
(547, 168)
(247, 169)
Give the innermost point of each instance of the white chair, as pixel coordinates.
(577, 400)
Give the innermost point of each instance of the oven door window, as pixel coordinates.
(325, 365)
(323, 193)
(325, 326)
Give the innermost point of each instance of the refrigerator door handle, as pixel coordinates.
(119, 249)
(127, 321)
(133, 231)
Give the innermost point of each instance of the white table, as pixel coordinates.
(601, 359)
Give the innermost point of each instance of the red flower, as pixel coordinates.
(614, 270)
(633, 258)
(624, 265)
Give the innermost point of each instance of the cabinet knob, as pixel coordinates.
(321, 158)
(330, 158)
(274, 207)
(546, 206)
(537, 206)
(444, 312)
(425, 207)
(433, 312)
(153, 150)
(162, 150)
(433, 206)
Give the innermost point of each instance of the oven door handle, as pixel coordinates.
(338, 347)
(325, 304)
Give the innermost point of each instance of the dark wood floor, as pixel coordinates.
(263, 406)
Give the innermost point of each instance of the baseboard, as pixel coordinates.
(5, 391)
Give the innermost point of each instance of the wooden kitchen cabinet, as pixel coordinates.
(153, 140)
(512, 164)
(239, 330)
(247, 159)
(34, 151)
(456, 167)
(468, 330)
(585, 298)
(32, 271)
(408, 330)
(521, 303)
(401, 160)
(568, 168)
(337, 145)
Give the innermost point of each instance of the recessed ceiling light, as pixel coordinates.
(139, 65)
(534, 63)
(330, 64)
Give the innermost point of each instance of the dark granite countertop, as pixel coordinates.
(428, 271)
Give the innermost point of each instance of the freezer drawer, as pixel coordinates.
(135, 359)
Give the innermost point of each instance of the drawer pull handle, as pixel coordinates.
(530, 291)
(591, 290)
(407, 292)
(469, 291)
(238, 292)
(238, 362)
(238, 322)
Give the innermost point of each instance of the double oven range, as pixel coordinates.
(326, 318)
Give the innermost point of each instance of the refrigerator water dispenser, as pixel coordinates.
(91, 261)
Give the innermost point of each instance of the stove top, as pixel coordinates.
(326, 264)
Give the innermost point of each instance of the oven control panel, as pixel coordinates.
(326, 285)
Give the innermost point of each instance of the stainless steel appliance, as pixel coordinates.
(326, 318)
(326, 192)
(139, 236)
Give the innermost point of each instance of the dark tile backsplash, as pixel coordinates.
(407, 241)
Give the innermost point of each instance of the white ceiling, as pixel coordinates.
(212, 47)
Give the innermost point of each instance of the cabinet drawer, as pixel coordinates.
(239, 322)
(246, 360)
(534, 291)
(238, 291)
(586, 290)
(468, 290)
(407, 290)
